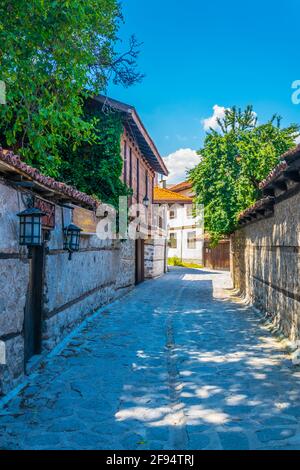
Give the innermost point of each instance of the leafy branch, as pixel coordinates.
(233, 163)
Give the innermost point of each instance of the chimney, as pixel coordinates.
(163, 183)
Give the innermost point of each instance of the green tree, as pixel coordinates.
(53, 55)
(233, 163)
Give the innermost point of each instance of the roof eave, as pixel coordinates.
(11, 165)
(162, 167)
(181, 187)
(141, 135)
(172, 201)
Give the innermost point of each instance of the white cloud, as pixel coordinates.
(179, 162)
(211, 122)
(297, 140)
(218, 113)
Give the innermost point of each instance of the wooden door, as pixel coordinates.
(217, 257)
(33, 309)
(139, 261)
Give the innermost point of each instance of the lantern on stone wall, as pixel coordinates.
(31, 227)
(72, 239)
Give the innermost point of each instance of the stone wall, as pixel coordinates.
(265, 263)
(14, 275)
(155, 258)
(101, 272)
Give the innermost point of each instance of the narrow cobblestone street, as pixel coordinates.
(173, 365)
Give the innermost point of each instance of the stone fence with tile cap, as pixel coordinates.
(265, 250)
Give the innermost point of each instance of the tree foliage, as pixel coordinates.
(53, 55)
(233, 163)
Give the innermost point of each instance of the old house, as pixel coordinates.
(213, 257)
(54, 270)
(184, 227)
(142, 165)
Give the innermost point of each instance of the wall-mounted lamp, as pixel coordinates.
(146, 202)
(31, 228)
(72, 239)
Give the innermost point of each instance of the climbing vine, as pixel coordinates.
(96, 167)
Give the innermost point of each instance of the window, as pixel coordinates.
(173, 241)
(130, 167)
(138, 181)
(146, 182)
(162, 222)
(189, 211)
(162, 217)
(191, 240)
(172, 214)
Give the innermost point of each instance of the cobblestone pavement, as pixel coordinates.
(173, 365)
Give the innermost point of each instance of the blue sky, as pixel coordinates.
(199, 54)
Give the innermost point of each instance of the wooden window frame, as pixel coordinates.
(125, 162)
(175, 214)
(147, 182)
(138, 180)
(130, 167)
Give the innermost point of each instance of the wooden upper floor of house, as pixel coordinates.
(141, 159)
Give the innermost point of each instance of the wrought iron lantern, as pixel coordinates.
(31, 227)
(146, 202)
(72, 239)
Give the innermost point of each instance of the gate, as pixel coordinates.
(217, 257)
(139, 261)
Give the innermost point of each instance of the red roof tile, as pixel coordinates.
(292, 154)
(258, 205)
(15, 162)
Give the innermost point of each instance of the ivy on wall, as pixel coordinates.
(95, 167)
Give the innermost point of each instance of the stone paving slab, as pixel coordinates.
(173, 365)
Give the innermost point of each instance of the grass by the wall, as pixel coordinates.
(177, 262)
